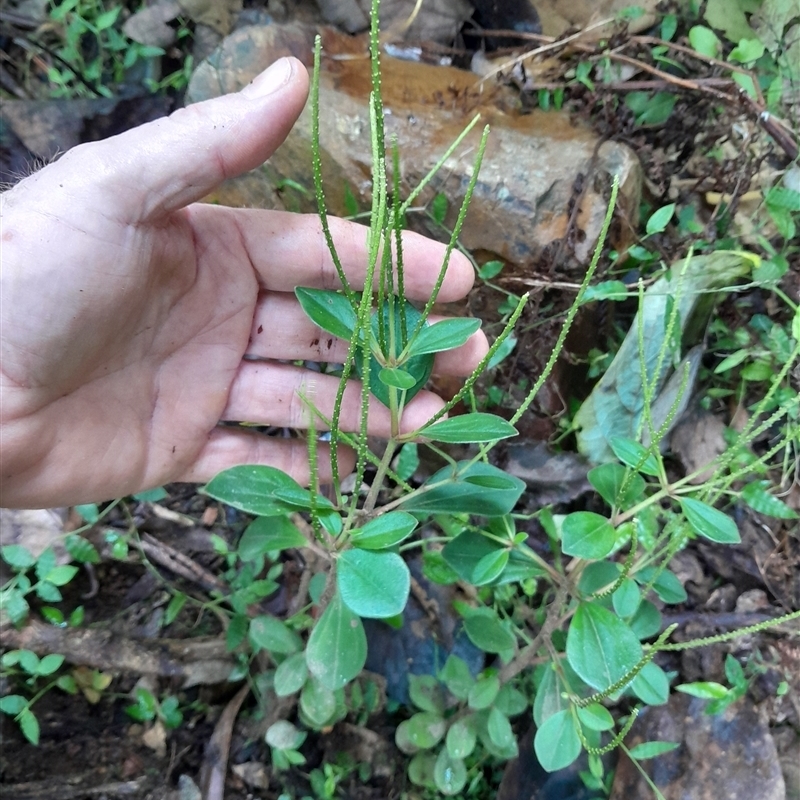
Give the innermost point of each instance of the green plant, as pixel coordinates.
(40, 580)
(720, 696)
(586, 616)
(42, 577)
(29, 669)
(148, 708)
(93, 56)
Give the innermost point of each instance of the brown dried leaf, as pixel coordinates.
(149, 26)
(697, 440)
(217, 14)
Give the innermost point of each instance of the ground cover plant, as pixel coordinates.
(594, 607)
(571, 637)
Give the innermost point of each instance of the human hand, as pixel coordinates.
(128, 309)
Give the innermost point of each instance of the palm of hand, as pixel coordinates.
(135, 371)
(133, 321)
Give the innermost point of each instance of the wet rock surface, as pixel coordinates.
(534, 168)
(524, 778)
(431, 632)
(731, 755)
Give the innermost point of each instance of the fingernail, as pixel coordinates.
(270, 80)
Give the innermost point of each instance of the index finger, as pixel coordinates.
(289, 250)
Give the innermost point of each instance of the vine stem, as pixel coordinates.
(726, 637)
(529, 653)
(377, 483)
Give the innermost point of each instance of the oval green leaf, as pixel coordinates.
(596, 717)
(426, 693)
(666, 584)
(317, 702)
(549, 697)
(81, 549)
(252, 488)
(420, 769)
(490, 567)
(487, 632)
(556, 743)
(660, 219)
(467, 428)
(647, 750)
(29, 725)
(627, 598)
(634, 455)
(269, 633)
(601, 648)
(483, 692)
(445, 335)
(651, 685)
(608, 480)
(267, 534)
(373, 585)
(709, 522)
(449, 774)
(423, 731)
(17, 556)
(387, 530)
(291, 675)
(418, 367)
(457, 677)
(759, 499)
(705, 690)
(481, 489)
(587, 535)
(646, 622)
(511, 701)
(330, 310)
(499, 729)
(398, 378)
(12, 704)
(283, 735)
(337, 648)
(605, 290)
(461, 738)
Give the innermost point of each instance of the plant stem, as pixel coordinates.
(377, 483)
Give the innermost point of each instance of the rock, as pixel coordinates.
(431, 631)
(35, 529)
(434, 20)
(551, 477)
(525, 779)
(730, 755)
(698, 438)
(560, 15)
(50, 127)
(532, 163)
(788, 743)
(149, 25)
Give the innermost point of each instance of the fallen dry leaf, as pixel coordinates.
(697, 440)
(35, 529)
(253, 773)
(155, 738)
(149, 26)
(217, 14)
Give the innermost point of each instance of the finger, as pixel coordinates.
(171, 162)
(229, 447)
(301, 339)
(289, 250)
(279, 394)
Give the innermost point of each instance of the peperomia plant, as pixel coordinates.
(569, 634)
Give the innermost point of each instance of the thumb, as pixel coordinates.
(171, 162)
